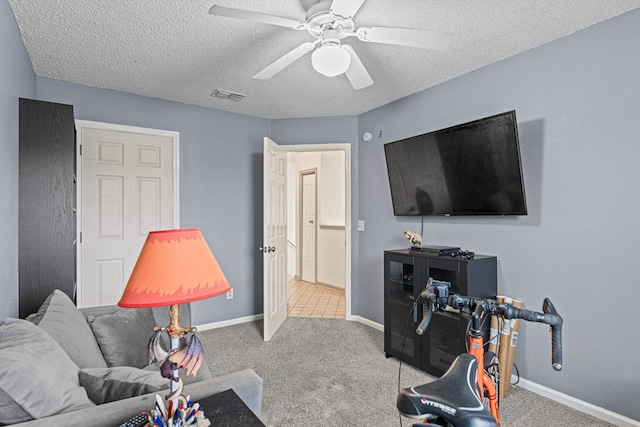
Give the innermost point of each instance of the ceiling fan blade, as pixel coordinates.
(284, 61)
(356, 73)
(426, 39)
(346, 8)
(257, 17)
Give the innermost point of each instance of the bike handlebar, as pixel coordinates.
(436, 294)
(555, 320)
(424, 323)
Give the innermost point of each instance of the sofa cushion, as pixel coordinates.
(124, 336)
(105, 385)
(61, 319)
(10, 411)
(38, 378)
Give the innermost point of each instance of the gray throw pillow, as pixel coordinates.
(38, 378)
(105, 385)
(60, 318)
(124, 336)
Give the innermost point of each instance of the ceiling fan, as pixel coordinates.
(330, 21)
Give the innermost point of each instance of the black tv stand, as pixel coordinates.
(406, 272)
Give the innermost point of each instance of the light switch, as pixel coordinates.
(360, 225)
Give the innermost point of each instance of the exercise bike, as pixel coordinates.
(466, 394)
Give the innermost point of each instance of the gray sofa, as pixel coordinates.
(68, 367)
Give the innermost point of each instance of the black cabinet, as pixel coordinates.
(406, 274)
(402, 286)
(47, 201)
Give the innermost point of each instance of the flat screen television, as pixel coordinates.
(468, 169)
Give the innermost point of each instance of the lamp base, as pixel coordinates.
(188, 356)
(178, 411)
(175, 331)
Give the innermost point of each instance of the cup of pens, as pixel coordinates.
(177, 412)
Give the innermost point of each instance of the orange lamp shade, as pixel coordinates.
(174, 267)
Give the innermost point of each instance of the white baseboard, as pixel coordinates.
(255, 317)
(367, 322)
(330, 286)
(229, 322)
(577, 404)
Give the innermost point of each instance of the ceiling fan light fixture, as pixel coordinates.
(330, 60)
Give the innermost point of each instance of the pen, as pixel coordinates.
(191, 414)
(158, 421)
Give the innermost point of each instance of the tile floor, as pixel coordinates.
(309, 300)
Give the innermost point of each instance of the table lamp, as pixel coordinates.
(175, 267)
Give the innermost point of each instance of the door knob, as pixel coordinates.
(310, 221)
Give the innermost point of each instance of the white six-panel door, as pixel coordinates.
(275, 237)
(309, 192)
(127, 190)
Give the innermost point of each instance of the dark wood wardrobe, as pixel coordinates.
(47, 203)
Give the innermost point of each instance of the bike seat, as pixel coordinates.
(452, 397)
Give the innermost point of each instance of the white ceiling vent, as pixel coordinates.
(226, 94)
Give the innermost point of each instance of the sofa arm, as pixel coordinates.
(247, 385)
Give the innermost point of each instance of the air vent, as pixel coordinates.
(225, 94)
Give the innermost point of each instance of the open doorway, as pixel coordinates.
(278, 235)
(318, 243)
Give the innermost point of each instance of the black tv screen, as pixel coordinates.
(468, 169)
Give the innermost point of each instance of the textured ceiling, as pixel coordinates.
(175, 50)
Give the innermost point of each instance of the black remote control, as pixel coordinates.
(139, 420)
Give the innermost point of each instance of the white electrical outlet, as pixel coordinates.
(230, 294)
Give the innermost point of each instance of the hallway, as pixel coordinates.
(309, 300)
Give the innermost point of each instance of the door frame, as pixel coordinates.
(82, 124)
(300, 225)
(346, 147)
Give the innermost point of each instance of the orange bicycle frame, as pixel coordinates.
(476, 349)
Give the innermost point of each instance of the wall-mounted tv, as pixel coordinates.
(468, 169)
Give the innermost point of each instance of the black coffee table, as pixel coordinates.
(226, 409)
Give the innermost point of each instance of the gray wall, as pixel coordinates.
(17, 80)
(578, 107)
